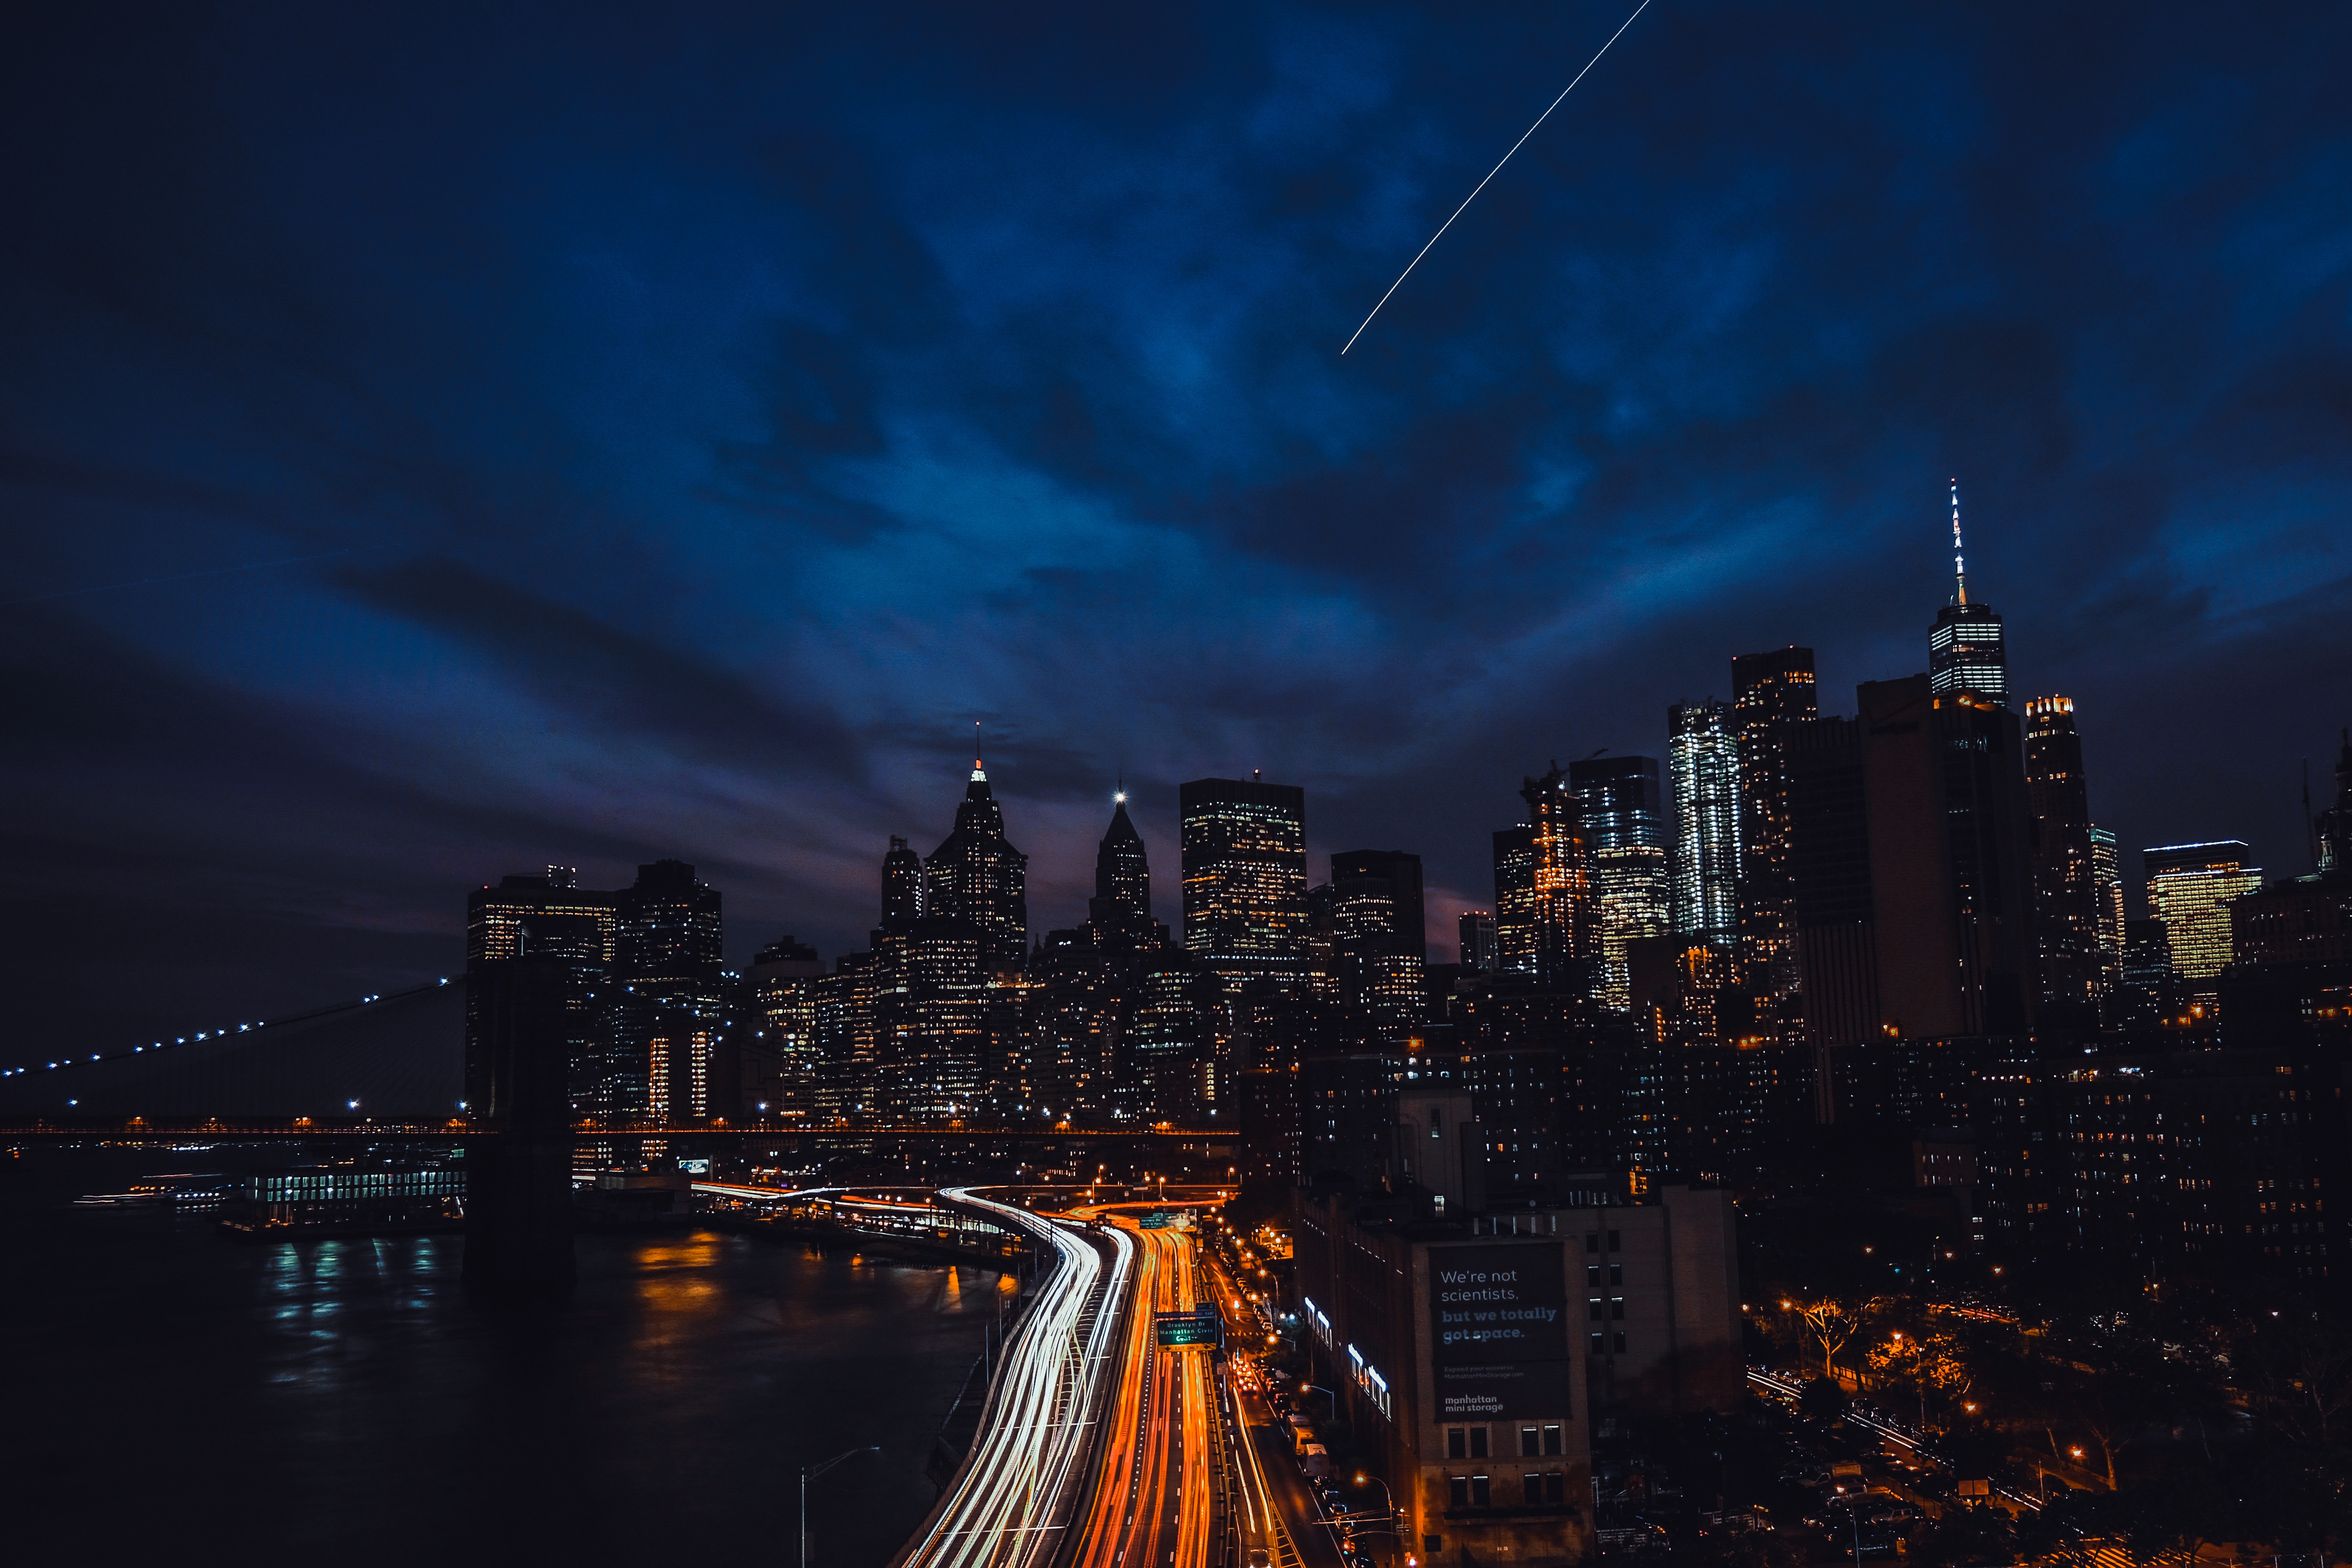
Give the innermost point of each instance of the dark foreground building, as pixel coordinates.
(1478, 1346)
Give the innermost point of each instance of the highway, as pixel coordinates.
(1015, 1495)
(1153, 1504)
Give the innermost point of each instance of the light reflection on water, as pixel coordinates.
(347, 1400)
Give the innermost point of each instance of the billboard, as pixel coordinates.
(1498, 1331)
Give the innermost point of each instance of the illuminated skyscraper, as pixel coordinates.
(2189, 887)
(976, 875)
(902, 883)
(1514, 900)
(781, 990)
(1625, 833)
(2066, 872)
(1476, 929)
(666, 960)
(2106, 874)
(1245, 861)
(1965, 650)
(1376, 916)
(1122, 872)
(549, 916)
(1769, 692)
(1703, 762)
(1567, 912)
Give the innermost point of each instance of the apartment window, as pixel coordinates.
(1616, 1274)
(1593, 1275)
(1612, 1241)
(1617, 1308)
(1460, 1488)
(1596, 1310)
(1621, 1341)
(1480, 1495)
(1599, 1343)
(1528, 1440)
(1555, 1487)
(1533, 1484)
(1551, 1441)
(1593, 1242)
(1478, 1443)
(1457, 1443)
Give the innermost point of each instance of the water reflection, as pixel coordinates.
(349, 1400)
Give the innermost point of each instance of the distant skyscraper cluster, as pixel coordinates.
(1902, 918)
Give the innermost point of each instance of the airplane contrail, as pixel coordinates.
(1491, 174)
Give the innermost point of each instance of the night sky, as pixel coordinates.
(438, 443)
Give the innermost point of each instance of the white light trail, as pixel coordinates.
(1491, 174)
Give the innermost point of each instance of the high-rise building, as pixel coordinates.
(2189, 887)
(1703, 763)
(782, 986)
(1909, 835)
(1625, 834)
(902, 883)
(1769, 691)
(1566, 913)
(1965, 648)
(2107, 878)
(1514, 900)
(1477, 937)
(2065, 869)
(1244, 862)
(667, 957)
(977, 875)
(1122, 871)
(547, 916)
(1376, 915)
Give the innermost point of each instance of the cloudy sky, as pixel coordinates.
(437, 443)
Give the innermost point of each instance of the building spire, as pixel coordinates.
(979, 769)
(1959, 569)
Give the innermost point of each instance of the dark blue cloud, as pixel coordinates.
(728, 407)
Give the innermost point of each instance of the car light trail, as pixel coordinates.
(1008, 1504)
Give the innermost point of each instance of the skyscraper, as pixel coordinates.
(2189, 887)
(2066, 872)
(1769, 692)
(1965, 649)
(668, 954)
(1566, 913)
(1244, 862)
(782, 987)
(548, 916)
(902, 883)
(1122, 871)
(2107, 876)
(1476, 931)
(1703, 762)
(1376, 910)
(1625, 831)
(977, 875)
(1514, 900)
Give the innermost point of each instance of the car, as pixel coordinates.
(1258, 1558)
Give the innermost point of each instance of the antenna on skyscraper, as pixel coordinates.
(1959, 569)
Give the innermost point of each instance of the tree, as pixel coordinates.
(1830, 1323)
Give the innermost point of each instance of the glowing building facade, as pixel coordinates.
(2189, 887)
(1703, 766)
(1243, 853)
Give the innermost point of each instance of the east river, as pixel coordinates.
(174, 1396)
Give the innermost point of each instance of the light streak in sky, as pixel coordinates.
(1491, 174)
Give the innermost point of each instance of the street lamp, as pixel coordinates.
(808, 1471)
(1318, 1388)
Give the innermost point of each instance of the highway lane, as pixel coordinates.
(1154, 1498)
(1277, 1511)
(1013, 1497)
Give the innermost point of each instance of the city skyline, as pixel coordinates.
(667, 471)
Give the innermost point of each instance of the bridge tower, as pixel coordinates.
(518, 1222)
